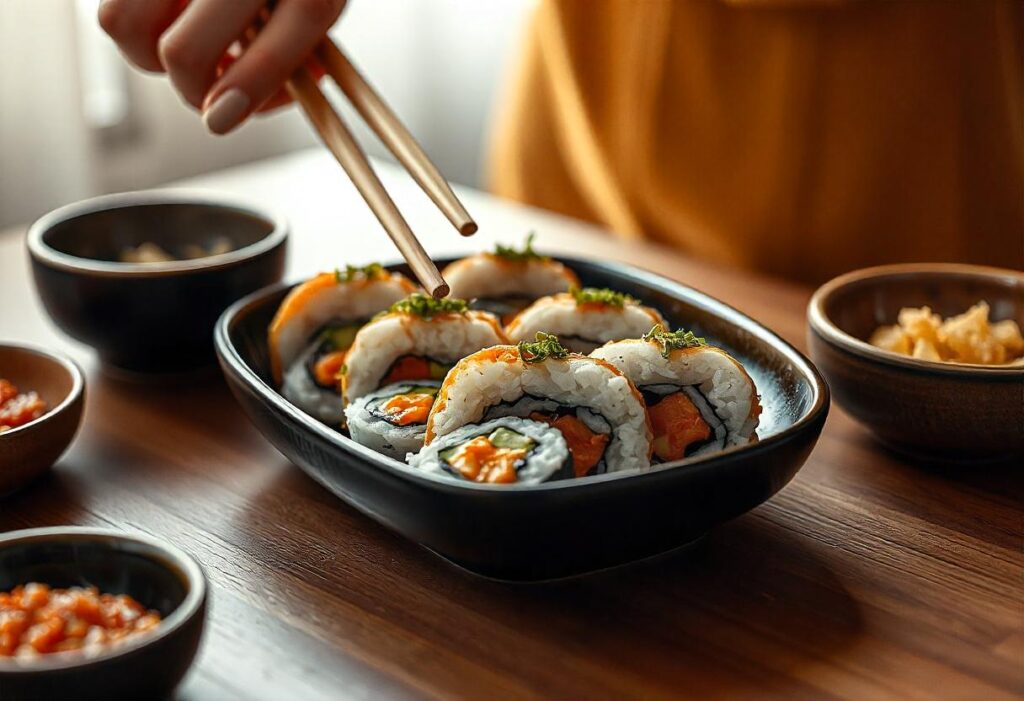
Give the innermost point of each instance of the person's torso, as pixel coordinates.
(802, 138)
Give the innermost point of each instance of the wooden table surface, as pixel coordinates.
(869, 576)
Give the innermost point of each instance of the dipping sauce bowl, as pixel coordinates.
(152, 317)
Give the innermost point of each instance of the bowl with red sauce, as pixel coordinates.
(96, 614)
(41, 398)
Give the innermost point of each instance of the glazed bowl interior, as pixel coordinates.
(859, 303)
(54, 379)
(94, 234)
(156, 575)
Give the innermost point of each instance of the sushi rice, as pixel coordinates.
(499, 377)
(506, 281)
(584, 325)
(375, 423)
(544, 452)
(441, 340)
(318, 318)
(712, 380)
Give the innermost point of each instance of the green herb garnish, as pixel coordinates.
(511, 253)
(673, 340)
(598, 295)
(352, 272)
(426, 307)
(545, 346)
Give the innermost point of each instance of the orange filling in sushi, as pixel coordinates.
(677, 424)
(328, 367)
(415, 367)
(585, 446)
(480, 460)
(406, 409)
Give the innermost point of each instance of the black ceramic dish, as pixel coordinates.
(151, 317)
(560, 528)
(155, 574)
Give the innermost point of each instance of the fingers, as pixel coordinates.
(294, 30)
(192, 47)
(281, 98)
(136, 27)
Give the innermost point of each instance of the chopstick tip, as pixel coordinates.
(468, 228)
(441, 291)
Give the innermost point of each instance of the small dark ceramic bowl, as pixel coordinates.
(569, 527)
(28, 450)
(940, 410)
(151, 317)
(155, 573)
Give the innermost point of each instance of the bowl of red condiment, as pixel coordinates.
(96, 614)
(41, 398)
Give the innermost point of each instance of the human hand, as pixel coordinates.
(192, 40)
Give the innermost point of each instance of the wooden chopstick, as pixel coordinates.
(303, 89)
(394, 135)
(339, 140)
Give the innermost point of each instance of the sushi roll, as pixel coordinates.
(595, 408)
(417, 338)
(314, 327)
(502, 451)
(508, 280)
(416, 341)
(393, 419)
(699, 398)
(584, 319)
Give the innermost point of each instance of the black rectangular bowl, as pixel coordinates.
(545, 531)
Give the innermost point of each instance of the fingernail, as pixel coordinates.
(226, 111)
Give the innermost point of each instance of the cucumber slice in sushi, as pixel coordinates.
(311, 382)
(509, 450)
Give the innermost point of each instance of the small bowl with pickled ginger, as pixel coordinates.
(927, 356)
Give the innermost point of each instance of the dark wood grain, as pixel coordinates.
(869, 576)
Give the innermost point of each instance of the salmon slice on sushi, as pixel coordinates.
(699, 398)
(315, 326)
(507, 280)
(395, 365)
(585, 318)
(542, 389)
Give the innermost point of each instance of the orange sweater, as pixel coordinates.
(799, 137)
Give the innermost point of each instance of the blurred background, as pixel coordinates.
(78, 121)
(801, 138)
